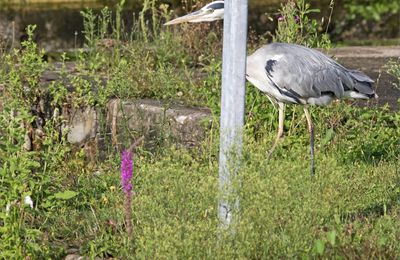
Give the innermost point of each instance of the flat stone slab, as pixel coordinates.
(366, 52)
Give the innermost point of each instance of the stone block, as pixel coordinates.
(157, 121)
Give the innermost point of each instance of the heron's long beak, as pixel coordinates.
(191, 18)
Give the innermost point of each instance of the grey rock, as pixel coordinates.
(82, 125)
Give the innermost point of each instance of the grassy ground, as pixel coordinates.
(350, 209)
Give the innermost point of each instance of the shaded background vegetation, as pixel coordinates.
(60, 25)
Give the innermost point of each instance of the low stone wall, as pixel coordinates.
(185, 125)
(143, 117)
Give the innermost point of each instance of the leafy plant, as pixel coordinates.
(393, 68)
(31, 147)
(295, 26)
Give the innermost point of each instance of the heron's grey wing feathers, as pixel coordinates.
(306, 72)
(309, 73)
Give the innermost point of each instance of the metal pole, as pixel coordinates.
(232, 105)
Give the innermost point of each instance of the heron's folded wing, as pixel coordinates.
(307, 72)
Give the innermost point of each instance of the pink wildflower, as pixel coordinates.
(126, 176)
(126, 172)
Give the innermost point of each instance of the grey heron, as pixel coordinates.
(293, 74)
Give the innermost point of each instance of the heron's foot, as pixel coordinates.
(270, 152)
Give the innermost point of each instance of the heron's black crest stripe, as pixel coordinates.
(216, 6)
(269, 67)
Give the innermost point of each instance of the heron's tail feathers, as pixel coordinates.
(362, 85)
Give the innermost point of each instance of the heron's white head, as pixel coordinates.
(211, 12)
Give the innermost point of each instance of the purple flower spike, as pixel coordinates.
(126, 176)
(126, 172)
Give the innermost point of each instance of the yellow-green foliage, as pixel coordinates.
(393, 68)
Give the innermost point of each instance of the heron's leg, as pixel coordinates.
(281, 109)
(311, 130)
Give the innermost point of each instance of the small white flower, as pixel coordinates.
(8, 206)
(28, 201)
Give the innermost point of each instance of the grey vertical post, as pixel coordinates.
(232, 104)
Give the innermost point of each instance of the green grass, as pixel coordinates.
(351, 208)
